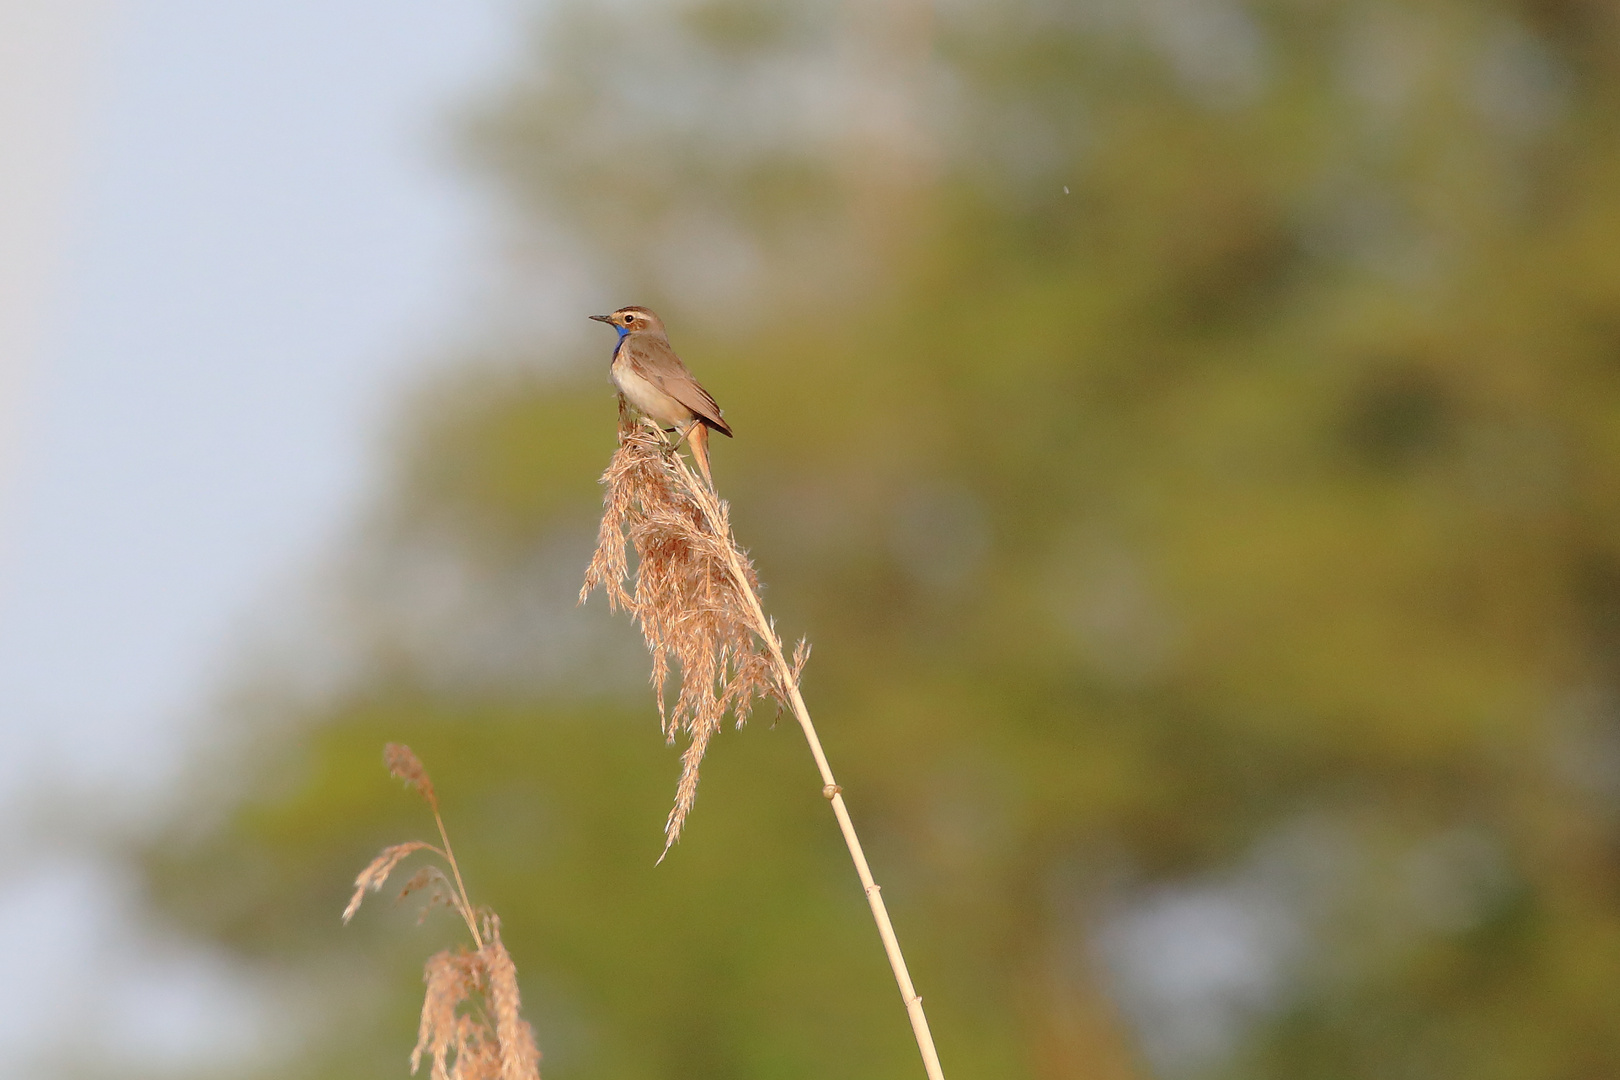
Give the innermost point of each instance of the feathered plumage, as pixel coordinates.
(653, 379)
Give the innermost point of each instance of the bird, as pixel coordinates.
(652, 378)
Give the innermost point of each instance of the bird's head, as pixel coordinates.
(628, 320)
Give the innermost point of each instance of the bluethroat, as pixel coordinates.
(652, 378)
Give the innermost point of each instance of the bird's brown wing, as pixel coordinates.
(652, 358)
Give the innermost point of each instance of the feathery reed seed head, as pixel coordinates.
(458, 1043)
(438, 889)
(403, 763)
(687, 597)
(472, 1027)
(520, 1057)
(471, 1024)
(377, 871)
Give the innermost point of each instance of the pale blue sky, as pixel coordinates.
(264, 239)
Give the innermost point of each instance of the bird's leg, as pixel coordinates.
(694, 434)
(668, 437)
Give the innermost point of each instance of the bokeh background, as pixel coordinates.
(1189, 432)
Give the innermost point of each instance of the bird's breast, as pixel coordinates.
(641, 393)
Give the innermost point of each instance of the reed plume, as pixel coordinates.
(695, 595)
(691, 597)
(471, 1027)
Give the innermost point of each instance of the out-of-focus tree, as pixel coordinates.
(1189, 431)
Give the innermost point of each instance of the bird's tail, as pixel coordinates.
(697, 436)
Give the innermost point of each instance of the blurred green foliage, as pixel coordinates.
(1189, 432)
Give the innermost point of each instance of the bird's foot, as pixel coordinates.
(669, 439)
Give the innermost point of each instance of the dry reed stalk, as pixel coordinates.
(696, 598)
(472, 1027)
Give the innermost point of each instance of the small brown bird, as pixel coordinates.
(653, 379)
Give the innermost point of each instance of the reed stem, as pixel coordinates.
(708, 501)
(465, 905)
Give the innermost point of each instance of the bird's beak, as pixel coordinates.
(603, 318)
